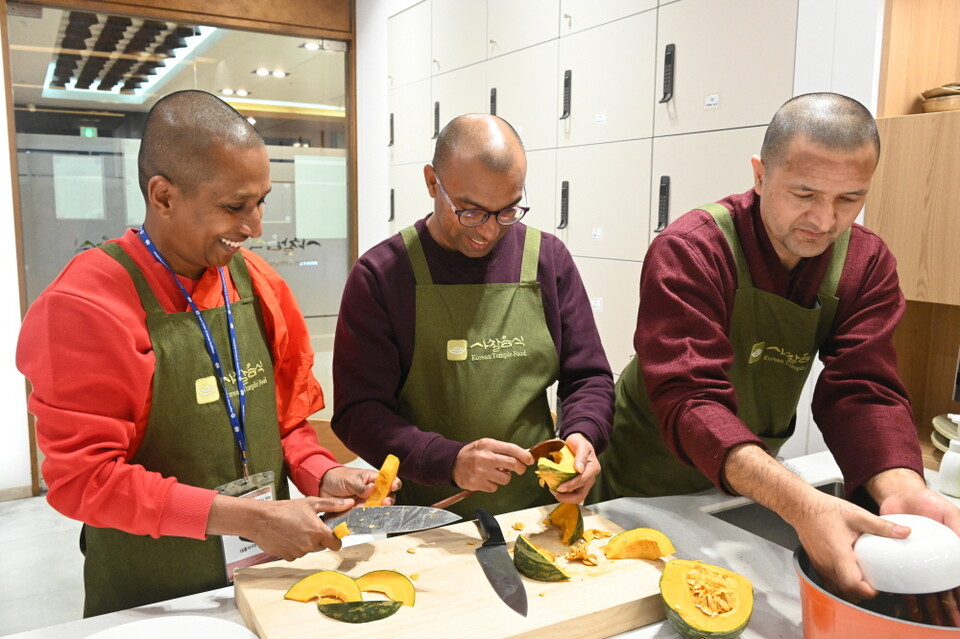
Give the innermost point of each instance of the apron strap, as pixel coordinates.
(828, 288)
(418, 260)
(531, 256)
(147, 297)
(724, 220)
(240, 275)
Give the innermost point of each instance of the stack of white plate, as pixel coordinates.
(945, 428)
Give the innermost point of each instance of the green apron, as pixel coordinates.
(774, 342)
(191, 441)
(482, 362)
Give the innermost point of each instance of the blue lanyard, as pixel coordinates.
(239, 432)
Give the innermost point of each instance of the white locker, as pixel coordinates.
(604, 193)
(411, 123)
(409, 198)
(541, 194)
(725, 74)
(614, 291)
(458, 34)
(522, 89)
(408, 45)
(702, 168)
(458, 92)
(606, 77)
(578, 15)
(513, 25)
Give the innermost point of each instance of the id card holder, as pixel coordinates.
(239, 552)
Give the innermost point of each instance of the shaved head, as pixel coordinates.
(830, 120)
(486, 138)
(180, 132)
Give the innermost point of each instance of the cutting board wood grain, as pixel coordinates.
(453, 595)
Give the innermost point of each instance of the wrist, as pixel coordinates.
(892, 481)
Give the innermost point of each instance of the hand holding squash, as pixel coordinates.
(356, 483)
(575, 490)
(486, 464)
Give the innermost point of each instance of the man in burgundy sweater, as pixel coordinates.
(451, 332)
(736, 299)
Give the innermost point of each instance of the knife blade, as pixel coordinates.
(497, 564)
(392, 519)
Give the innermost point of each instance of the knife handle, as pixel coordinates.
(451, 500)
(489, 528)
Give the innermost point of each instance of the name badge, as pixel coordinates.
(239, 552)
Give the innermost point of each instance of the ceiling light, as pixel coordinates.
(242, 92)
(262, 72)
(311, 46)
(279, 74)
(226, 91)
(252, 120)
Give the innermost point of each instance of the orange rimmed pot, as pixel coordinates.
(826, 616)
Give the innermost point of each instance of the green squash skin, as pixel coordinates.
(359, 611)
(551, 475)
(532, 564)
(685, 630)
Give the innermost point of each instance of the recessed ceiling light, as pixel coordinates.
(252, 120)
(242, 92)
(226, 91)
(279, 74)
(311, 46)
(262, 71)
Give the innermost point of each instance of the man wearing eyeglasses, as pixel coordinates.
(451, 331)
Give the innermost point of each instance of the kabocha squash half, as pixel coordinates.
(705, 601)
(556, 467)
(388, 472)
(359, 611)
(639, 543)
(391, 583)
(569, 519)
(535, 562)
(326, 585)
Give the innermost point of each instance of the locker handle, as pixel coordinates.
(663, 210)
(391, 131)
(668, 72)
(391, 207)
(493, 101)
(436, 120)
(564, 204)
(567, 88)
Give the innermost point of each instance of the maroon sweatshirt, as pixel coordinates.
(375, 340)
(687, 289)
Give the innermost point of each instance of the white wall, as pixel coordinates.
(15, 477)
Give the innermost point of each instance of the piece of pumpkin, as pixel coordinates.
(388, 472)
(341, 530)
(359, 611)
(569, 519)
(556, 467)
(326, 585)
(391, 583)
(639, 543)
(702, 600)
(535, 562)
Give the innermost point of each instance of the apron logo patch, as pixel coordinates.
(777, 355)
(499, 348)
(207, 390)
(456, 350)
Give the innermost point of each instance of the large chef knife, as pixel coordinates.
(497, 565)
(392, 519)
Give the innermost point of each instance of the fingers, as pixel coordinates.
(486, 464)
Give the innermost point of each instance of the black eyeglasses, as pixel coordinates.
(475, 217)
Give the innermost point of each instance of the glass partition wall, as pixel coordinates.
(82, 84)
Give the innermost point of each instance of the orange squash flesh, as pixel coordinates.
(388, 473)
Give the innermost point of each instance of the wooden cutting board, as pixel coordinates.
(454, 596)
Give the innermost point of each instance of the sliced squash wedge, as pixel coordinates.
(557, 467)
(702, 600)
(326, 585)
(391, 583)
(639, 543)
(569, 519)
(385, 477)
(535, 562)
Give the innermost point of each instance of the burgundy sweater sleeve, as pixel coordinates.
(860, 403)
(687, 289)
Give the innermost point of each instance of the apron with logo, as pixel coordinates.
(774, 342)
(188, 436)
(482, 362)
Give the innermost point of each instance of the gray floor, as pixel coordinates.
(41, 579)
